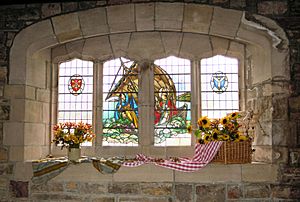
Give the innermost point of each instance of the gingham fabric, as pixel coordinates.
(203, 154)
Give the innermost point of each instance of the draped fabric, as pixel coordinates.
(48, 168)
(203, 154)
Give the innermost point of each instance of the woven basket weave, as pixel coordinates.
(234, 152)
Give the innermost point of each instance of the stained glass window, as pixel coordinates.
(75, 91)
(172, 94)
(120, 103)
(219, 86)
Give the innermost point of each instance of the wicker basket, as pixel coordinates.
(234, 152)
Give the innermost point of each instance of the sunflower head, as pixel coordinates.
(206, 138)
(215, 135)
(234, 115)
(189, 129)
(224, 121)
(204, 122)
(225, 137)
(242, 138)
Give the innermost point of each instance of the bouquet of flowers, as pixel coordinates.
(70, 134)
(224, 129)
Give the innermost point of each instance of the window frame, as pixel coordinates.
(146, 141)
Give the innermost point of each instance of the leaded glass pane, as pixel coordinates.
(75, 92)
(219, 86)
(120, 103)
(172, 85)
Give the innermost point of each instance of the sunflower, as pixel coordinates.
(215, 135)
(204, 122)
(234, 115)
(206, 138)
(224, 121)
(225, 137)
(242, 138)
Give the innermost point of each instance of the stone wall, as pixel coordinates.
(14, 18)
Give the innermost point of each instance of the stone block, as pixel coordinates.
(93, 188)
(67, 27)
(59, 53)
(210, 192)
(225, 22)
(144, 14)
(72, 186)
(119, 44)
(184, 192)
(13, 133)
(272, 7)
(138, 43)
(234, 191)
(74, 48)
(171, 42)
(19, 92)
(219, 45)
(33, 111)
(91, 175)
(19, 189)
(50, 9)
(195, 46)
(34, 133)
(143, 173)
(294, 103)
(121, 18)
(93, 22)
(43, 95)
(3, 154)
(212, 173)
(6, 169)
(280, 132)
(16, 153)
(257, 190)
(23, 171)
(197, 18)
(97, 47)
(103, 199)
(168, 16)
(144, 199)
(285, 192)
(33, 152)
(262, 153)
(259, 172)
(123, 188)
(156, 189)
(47, 187)
(56, 197)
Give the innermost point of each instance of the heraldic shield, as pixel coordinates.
(76, 84)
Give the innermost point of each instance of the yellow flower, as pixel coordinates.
(234, 115)
(206, 138)
(215, 135)
(189, 129)
(204, 122)
(242, 138)
(225, 137)
(224, 120)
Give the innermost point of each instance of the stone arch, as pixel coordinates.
(185, 30)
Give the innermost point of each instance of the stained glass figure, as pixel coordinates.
(76, 84)
(219, 82)
(172, 101)
(219, 86)
(120, 104)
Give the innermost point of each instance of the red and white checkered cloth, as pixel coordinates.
(204, 153)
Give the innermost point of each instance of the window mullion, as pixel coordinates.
(146, 105)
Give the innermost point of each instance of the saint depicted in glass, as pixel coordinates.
(120, 104)
(172, 101)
